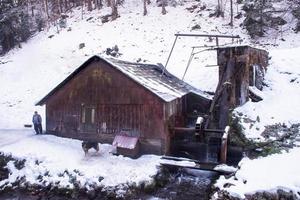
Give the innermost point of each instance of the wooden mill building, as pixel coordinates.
(105, 97)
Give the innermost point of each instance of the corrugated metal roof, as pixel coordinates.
(158, 80)
(126, 142)
(153, 77)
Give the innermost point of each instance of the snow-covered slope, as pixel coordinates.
(32, 71)
(281, 103)
(29, 73)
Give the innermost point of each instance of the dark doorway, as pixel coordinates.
(88, 115)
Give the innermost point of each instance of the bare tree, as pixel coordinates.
(231, 13)
(98, 4)
(89, 5)
(58, 4)
(67, 5)
(220, 10)
(163, 6)
(114, 9)
(145, 7)
(108, 3)
(46, 8)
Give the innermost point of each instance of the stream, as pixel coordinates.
(182, 184)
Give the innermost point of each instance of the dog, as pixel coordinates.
(86, 145)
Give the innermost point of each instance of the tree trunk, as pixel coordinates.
(108, 3)
(98, 4)
(32, 11)
(58, 6)
(95, 4)
(114, 8)
(82, 5)
(220, 11)
(89, 4)
(66, 5)
(145, 7)
(163, 6)
(231, 13)
(47, 12)
(261, 16)
(61, 6)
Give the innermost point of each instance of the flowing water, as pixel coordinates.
(182, 184)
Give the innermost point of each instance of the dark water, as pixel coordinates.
(187, 184)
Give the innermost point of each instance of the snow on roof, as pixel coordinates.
(153, 77)
(126, 142)
(157, 79)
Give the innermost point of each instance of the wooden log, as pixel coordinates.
(213, 130)
(183, 129)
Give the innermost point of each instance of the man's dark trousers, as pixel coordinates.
(38, 128)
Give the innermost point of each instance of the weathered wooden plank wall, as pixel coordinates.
(236, 74)
(119, 103)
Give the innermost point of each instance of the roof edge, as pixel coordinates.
(97, 58)
(73, 74)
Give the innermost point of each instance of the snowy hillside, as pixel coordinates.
(281, 95)
(27, 74)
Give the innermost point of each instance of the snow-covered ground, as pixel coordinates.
(49, 157)
(281, 103)
(31, 72)
(278, 171)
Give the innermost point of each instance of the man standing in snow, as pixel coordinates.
(37, 123)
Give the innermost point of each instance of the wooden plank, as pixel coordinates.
(208, 166)
(187, 159)
(224, 145)
(206, 35)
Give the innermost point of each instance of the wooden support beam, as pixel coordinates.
(191, 129)
(206, 35)
(223, 151)
(213, 130)
(209, 166)
(183, 129)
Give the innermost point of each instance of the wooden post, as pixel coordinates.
(199, 131)
(223, 152)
